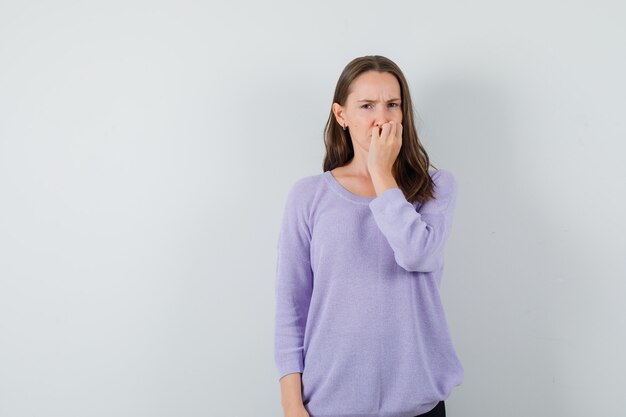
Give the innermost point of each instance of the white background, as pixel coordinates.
(146, 149)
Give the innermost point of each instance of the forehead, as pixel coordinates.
(374, 84)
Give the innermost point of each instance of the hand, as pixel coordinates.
(296, 411)
(384, 148)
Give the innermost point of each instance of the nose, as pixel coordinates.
(380, 120)
(381, 117)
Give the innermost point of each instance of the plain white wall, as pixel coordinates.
(146, 149)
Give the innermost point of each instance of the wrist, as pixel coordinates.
(292, 405)
(383, 182)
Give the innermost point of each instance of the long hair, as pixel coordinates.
(410, 168)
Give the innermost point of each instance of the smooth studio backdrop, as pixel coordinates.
(146, 149)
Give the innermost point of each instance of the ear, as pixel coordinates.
(339, 114)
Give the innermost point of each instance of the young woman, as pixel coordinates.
(360, 328)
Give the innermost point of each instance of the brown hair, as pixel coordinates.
(410, 169)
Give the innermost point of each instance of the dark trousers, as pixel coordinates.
(438, 411)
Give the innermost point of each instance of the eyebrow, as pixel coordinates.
(373, 101)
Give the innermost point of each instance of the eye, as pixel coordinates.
(393, 104)
(365, 106)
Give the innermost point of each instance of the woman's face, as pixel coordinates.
(374, 99)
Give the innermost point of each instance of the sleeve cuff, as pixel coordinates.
(389, 195)
(289, 367)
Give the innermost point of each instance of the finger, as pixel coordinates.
(375, 133)
(385, 132)
(394, 128)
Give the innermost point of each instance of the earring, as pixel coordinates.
(345, 127)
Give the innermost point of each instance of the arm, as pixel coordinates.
(294, 285)
(417, 237)
(291, 392)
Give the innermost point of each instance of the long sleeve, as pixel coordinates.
(294, 285)
(417, 237)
